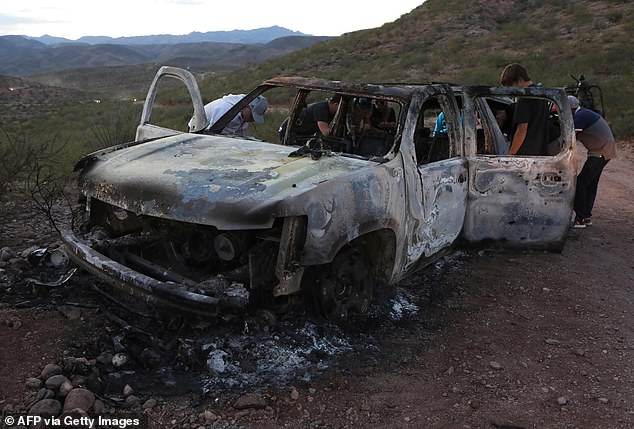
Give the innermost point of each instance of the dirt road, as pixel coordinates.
(496, 339)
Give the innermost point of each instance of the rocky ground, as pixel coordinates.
(481, 339)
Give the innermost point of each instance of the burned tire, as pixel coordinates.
(344, 287)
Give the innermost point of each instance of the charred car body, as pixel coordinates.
(200, 221)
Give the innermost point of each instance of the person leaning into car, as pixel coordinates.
(595, 134)
(530, 119)
(252, 112)
(316, 117)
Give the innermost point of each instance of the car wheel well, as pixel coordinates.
(346, 284)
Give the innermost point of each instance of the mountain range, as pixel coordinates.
(258, 35)
(24, 56)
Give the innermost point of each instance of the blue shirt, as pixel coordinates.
(441, 125)
(584, 118)
(595, 133)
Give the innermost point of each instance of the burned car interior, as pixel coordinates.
(201, 222)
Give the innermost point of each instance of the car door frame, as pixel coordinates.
(146, 130)
(436, 192)
(519, 201)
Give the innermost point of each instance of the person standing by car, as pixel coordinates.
(595, 134)
(252, 112)
(530, 119)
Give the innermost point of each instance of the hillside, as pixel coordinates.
(24, 101)
(470, 43)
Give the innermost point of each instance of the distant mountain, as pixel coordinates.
(258, 35)
(471, 42)
(21, 56)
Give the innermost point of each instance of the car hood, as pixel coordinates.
(226, 182)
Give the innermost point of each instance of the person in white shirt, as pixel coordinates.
(252, 112)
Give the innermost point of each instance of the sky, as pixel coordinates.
(73, 19)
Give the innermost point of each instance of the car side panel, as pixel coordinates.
(520, 201)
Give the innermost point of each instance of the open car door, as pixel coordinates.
(437, 189)
(518, 201)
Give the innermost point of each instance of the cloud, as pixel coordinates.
(14, 20)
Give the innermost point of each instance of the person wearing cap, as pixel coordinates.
(252, 112)
(595, 134)
(530, 119)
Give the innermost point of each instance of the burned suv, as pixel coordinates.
(199, 221)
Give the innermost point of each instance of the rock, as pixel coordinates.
(450, 370)
(150, 403)
(65, 388)
(45, 393)
(33, 383)
(119, 360)
(6, 254)
(79, 398)
(250, 400)
(551, 341)
(132, 400)
(475, 404)
(562, 400)
(70, 311)
(216, 361)
(99, 407)
(127, 390)
(50, 370)
(209, 417)
(55, 382)
(495, 365)
(46, 408)
(19, 264)
(579, 352)
(603, 400)
(294, 394)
